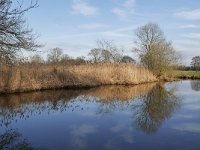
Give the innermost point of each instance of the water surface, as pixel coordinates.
(150, 116)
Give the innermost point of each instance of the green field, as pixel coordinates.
(184, 74)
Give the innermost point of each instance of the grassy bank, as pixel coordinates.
(37, 77)
(184, 74)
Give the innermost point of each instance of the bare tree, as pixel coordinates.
(107, 52)
(154, 51)
(196, 63)
(55, 55)
(95, 55)
(37, 59)
(14, 34)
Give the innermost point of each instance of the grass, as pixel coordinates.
(38, 77)
(184, 74)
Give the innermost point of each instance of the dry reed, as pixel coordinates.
(37, 77)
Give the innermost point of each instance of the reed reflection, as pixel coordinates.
(25, 105)
(150, 104)
(118, 98)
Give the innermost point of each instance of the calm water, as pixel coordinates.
(151, 116)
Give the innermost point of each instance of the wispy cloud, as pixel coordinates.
(119, 12)
(189, 127)
(83, 8)
(189, 26)
(93, 26)
(124, 132)
(112, 34)
(80, 133)
(129, 4)
(189, 14)
(125, 8)
(192, 35)
(188, 42)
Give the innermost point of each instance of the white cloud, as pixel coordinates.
(124, 132)
(189, 127)
(189, 14)
(192, 35)
(80, 133)
(189, 26)
(129, 4)
(83, 8)
(93, 26)
(113, 34)
(126, 8)
(188, 43)
(119, 12)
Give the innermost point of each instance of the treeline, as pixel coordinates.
(188, 68)
(194, 65)
(105, 52)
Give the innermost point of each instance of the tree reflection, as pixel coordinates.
(154, 108)
(109, 98)
(12, 140)
(195, 85)
(151, 104)
(119, 98)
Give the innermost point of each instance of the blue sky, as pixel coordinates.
(75, 25)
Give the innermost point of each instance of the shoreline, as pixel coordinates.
(35, 78)
(80, 87)
(31, 78)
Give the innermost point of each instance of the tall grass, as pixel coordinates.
(37, 77)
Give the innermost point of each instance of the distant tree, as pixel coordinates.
(14, 35)
(80, 60)
(128, 59)
(108, 52)
(55, 55)
(36, 59)
(154, 51)
(95, 55)
(196, 63)
(65, 57)
(106, 55)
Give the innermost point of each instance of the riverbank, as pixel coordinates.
(24, 78)
(176, 74)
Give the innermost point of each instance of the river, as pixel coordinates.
(143, 117)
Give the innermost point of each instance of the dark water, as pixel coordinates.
(151, 116)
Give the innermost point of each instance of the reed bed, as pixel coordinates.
(23, 78)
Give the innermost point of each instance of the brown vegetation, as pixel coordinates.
(37, 77)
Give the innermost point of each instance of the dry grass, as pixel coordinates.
(37, 77)
(183, 74)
